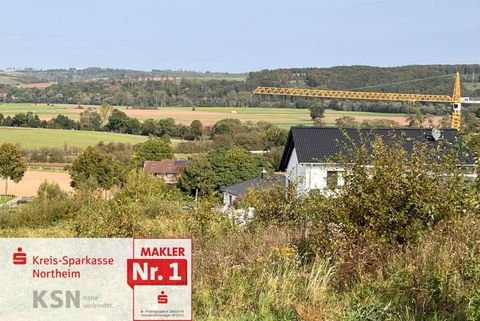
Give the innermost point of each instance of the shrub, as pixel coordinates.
(49, 207)
(115, 218)
(397, 195)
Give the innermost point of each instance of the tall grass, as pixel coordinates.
(259, 272)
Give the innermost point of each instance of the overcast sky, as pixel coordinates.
(237, 36)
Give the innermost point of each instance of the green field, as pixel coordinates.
(42, 110)
(35, 137)
(4, 199)
(284, 117)
(471, 86)
(8, 80)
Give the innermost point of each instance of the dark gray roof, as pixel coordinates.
(319, 144)
(255, 183)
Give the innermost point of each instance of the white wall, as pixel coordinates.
(311, 175)
(228, 199)
(296, 172)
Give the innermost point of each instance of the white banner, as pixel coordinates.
(95, 279)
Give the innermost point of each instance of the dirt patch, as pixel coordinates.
(399, 119)
(32, 180)
(36, 85)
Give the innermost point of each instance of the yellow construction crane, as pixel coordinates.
(456, 100)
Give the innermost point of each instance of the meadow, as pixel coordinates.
(39, 137)
(283, 117)
(4, 199)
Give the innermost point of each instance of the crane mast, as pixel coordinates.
(456, 99)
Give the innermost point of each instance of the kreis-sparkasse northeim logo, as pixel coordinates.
(96, 279)
(19, 257)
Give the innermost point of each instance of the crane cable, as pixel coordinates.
(400, 82)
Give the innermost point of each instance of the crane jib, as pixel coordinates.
(456, 99)
(363, 95)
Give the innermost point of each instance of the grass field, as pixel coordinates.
(284, 117)
(4, 199)
(9, 79)
(471, 86)
(34, 137)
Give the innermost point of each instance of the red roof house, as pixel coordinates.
(168, 169)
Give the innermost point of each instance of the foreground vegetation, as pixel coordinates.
(399, 242)
(5, 198)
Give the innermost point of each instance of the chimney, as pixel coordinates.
(263, 174)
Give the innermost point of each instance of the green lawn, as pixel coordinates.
(34, 137)
(4, 199)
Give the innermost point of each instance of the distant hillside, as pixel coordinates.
(29, 75)
(353, 77)
(157, 88)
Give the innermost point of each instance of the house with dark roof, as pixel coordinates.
(309, 152)
(168, 169)
(235, 192)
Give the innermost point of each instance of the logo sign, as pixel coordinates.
(95, 279)
(160, 275)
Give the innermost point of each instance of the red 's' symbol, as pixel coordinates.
(19, 258)
(162, 298)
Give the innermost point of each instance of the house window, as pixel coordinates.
(332, 180)
(170, 175)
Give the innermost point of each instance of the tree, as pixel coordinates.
(63, 122)
(160, 96)
(118, 121)
(94, 168)
(226, 126)
(197, 128)
(149, 127)
(105, 112)
(379, 123)
(166, 126)
(317, 112)
(133, 126)
(12, 166)
(395, 194)
(275, 136)
(470, 122)
(90, 119)
(346, 122)
(198, 177)
(154, 150)
(235, 164)
(416, 118)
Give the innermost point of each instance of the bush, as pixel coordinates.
(49, 207)
(115, 218)
(396, 195)
(194, 147)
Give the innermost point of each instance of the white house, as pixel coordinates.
(307, 157)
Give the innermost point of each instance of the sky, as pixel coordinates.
(236, 36)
